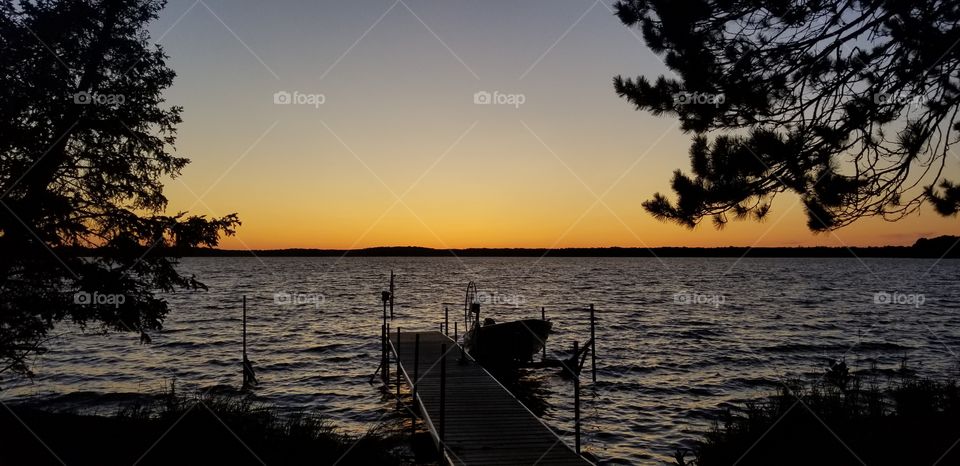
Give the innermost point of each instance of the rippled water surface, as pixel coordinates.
(679, 339)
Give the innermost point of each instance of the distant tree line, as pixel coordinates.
(939, 247)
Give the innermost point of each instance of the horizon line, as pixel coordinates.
(938, 247)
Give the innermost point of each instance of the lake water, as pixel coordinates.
(679, 339)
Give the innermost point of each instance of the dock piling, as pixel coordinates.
(383, 347)
(386, 358)
(446, 320)
(385, 297)
(414, 381)
(398, 367)
(384, 334)
(593, 344)
(576, 402)
(543, 317)
(244, 327)
(416, 366)
(249, 378)
(443, 391)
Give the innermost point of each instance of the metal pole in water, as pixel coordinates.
(243, 365)
(443, 390)
(397, 347)
(593, 344)
(576, 399)
(543, 317)
(386, 358)
(456, 331)
(446, 319)
(413, 383)
(244, 327)
(384, 297)
(416, 367)
(383, 352)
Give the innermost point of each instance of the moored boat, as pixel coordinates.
(506, 343)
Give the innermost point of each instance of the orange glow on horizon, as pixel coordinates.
(399, 120)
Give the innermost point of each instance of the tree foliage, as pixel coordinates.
(849, 104)
(85, 142)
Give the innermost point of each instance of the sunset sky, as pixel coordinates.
(398, 153)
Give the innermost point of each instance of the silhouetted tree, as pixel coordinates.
(850, 104)
(85, 141)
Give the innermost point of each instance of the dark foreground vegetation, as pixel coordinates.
(836, 421)
(187, 430)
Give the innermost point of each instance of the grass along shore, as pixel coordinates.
(836, 420)
(176, 429)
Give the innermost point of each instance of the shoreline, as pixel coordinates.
(873, 422)
(942, 247)
(200, 429)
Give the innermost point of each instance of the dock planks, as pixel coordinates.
(483, 422)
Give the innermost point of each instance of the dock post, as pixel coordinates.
(245, 366)
(398, 365)
(386, 357)
(456, 331)
(576, 401)
(415, 380)
(593, 344)
(385, 297)
(383, 331)
(446, 320)
(543, 317)
(244, 326)
(416, 367)
(443, 392)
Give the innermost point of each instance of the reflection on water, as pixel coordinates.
(672, 352)
(529, 389)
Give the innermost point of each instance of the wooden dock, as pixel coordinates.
(480, 421)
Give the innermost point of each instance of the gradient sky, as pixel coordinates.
(399, 120)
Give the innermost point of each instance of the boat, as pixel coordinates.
(502, 344)
(507, 343)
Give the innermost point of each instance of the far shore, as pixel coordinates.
(941, 247)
